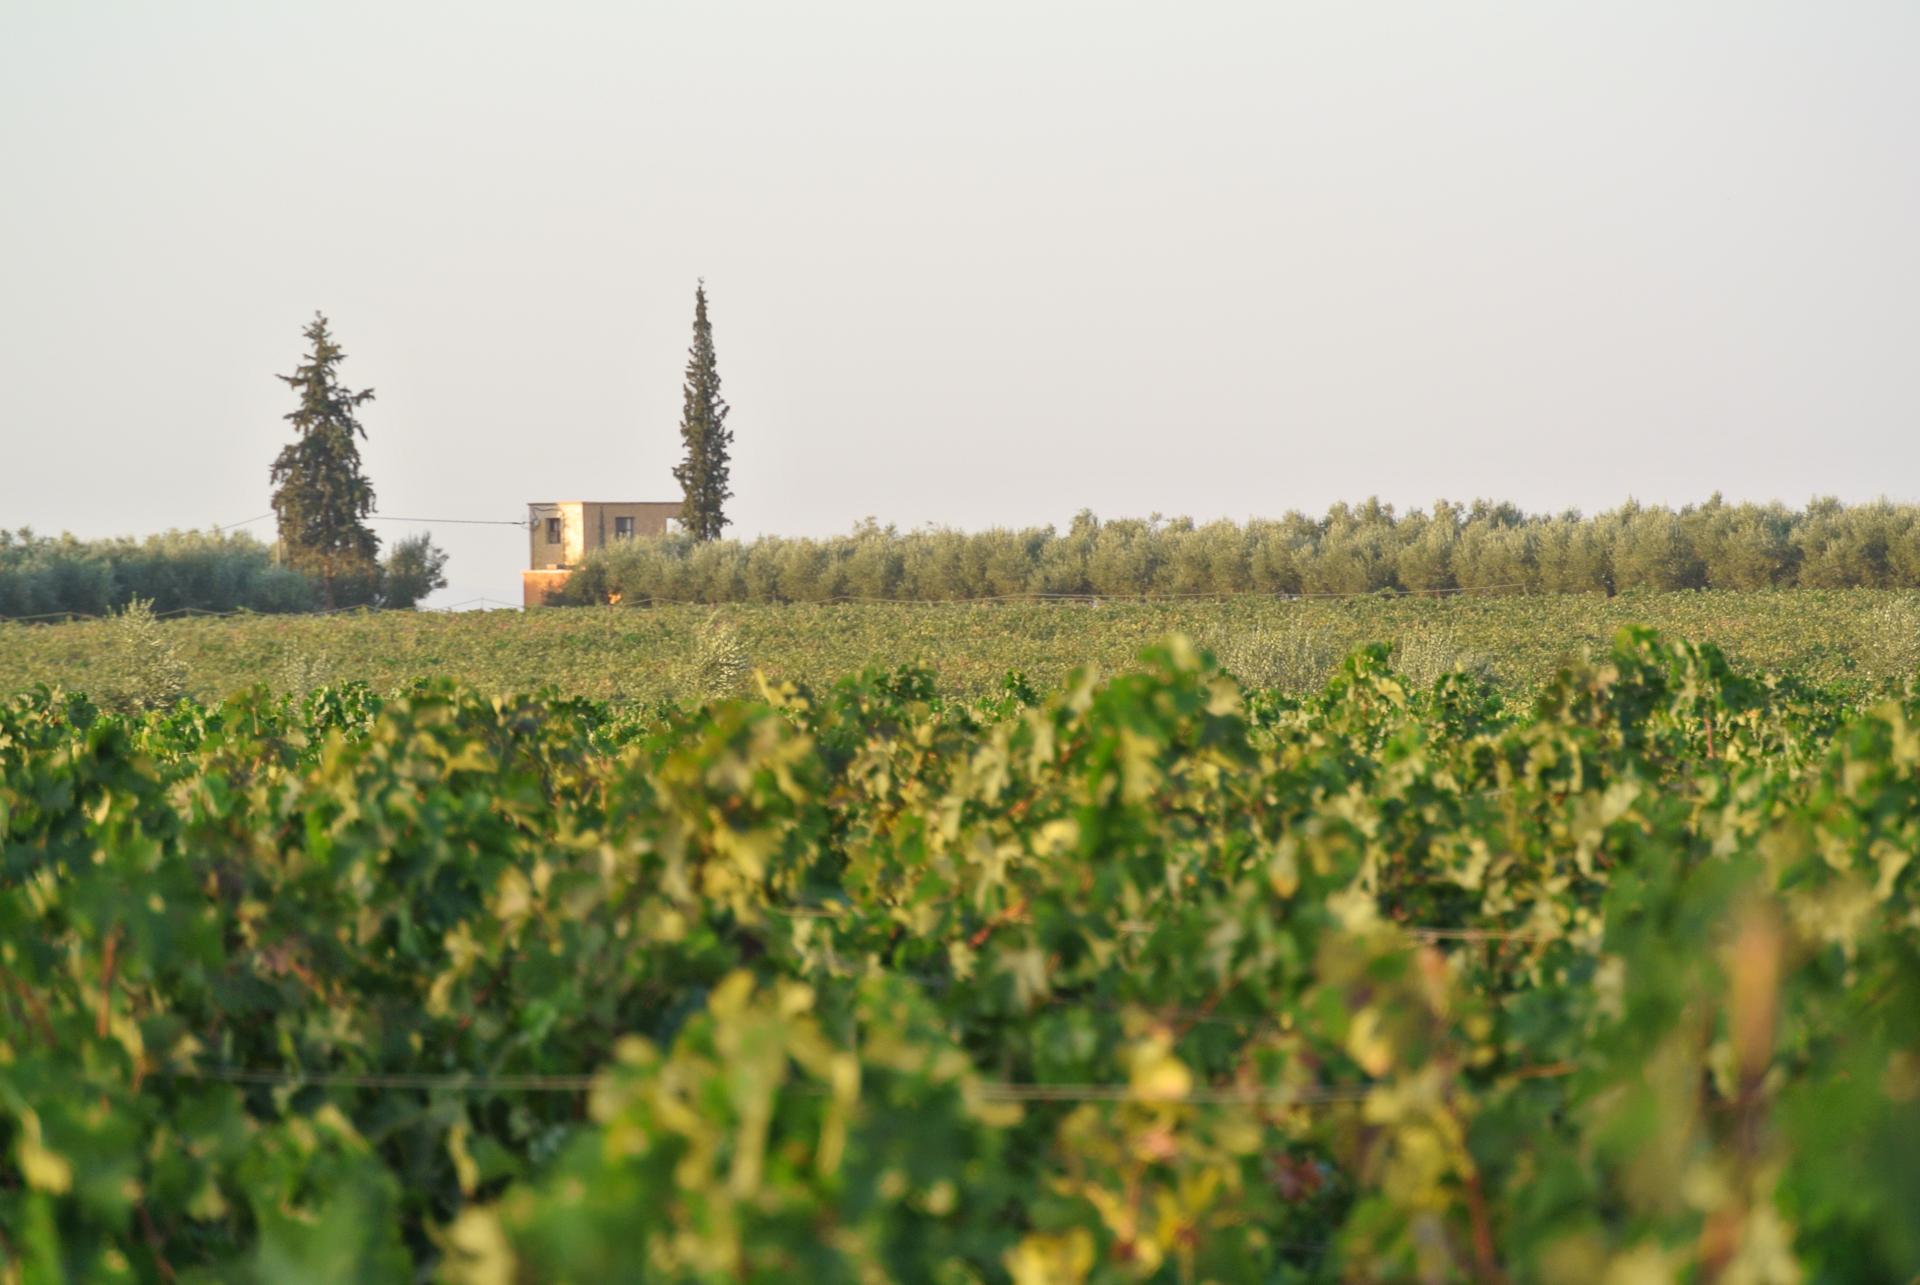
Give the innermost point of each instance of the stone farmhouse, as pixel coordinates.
(562, 532)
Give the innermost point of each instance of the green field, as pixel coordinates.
(1150, 980)
(1857, 635)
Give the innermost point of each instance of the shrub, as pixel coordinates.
(414, 569)
(717, 665)
(145, 669)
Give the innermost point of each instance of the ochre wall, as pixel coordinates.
(649, 518)
(541, 554)
(586, 525)
(536, 587)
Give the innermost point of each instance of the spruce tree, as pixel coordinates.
(321, 496)
(702, 472)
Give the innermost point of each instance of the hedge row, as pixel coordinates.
(1481, 548)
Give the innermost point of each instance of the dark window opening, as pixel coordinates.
(623, 528)
(553, 530)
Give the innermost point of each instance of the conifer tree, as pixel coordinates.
(702, 472)
(321, 496)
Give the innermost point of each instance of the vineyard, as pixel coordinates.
(1157, 977)
(1847, 637)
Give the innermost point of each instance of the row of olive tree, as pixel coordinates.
(1482, 547)
(44, 575)
(184, 571)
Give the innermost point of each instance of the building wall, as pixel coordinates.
(575, 528)
(650, 517)
(586, 525)
(538, 587)
(543, 552)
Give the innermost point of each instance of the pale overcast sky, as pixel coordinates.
(970, 264)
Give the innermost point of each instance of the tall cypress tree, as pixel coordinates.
(321, 496)
(702, 472)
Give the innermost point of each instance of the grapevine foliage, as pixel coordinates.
(1151, 978)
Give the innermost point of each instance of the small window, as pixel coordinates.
(623, 528)
(553, 530)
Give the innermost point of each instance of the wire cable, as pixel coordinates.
(384, 517)
(522, 523)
